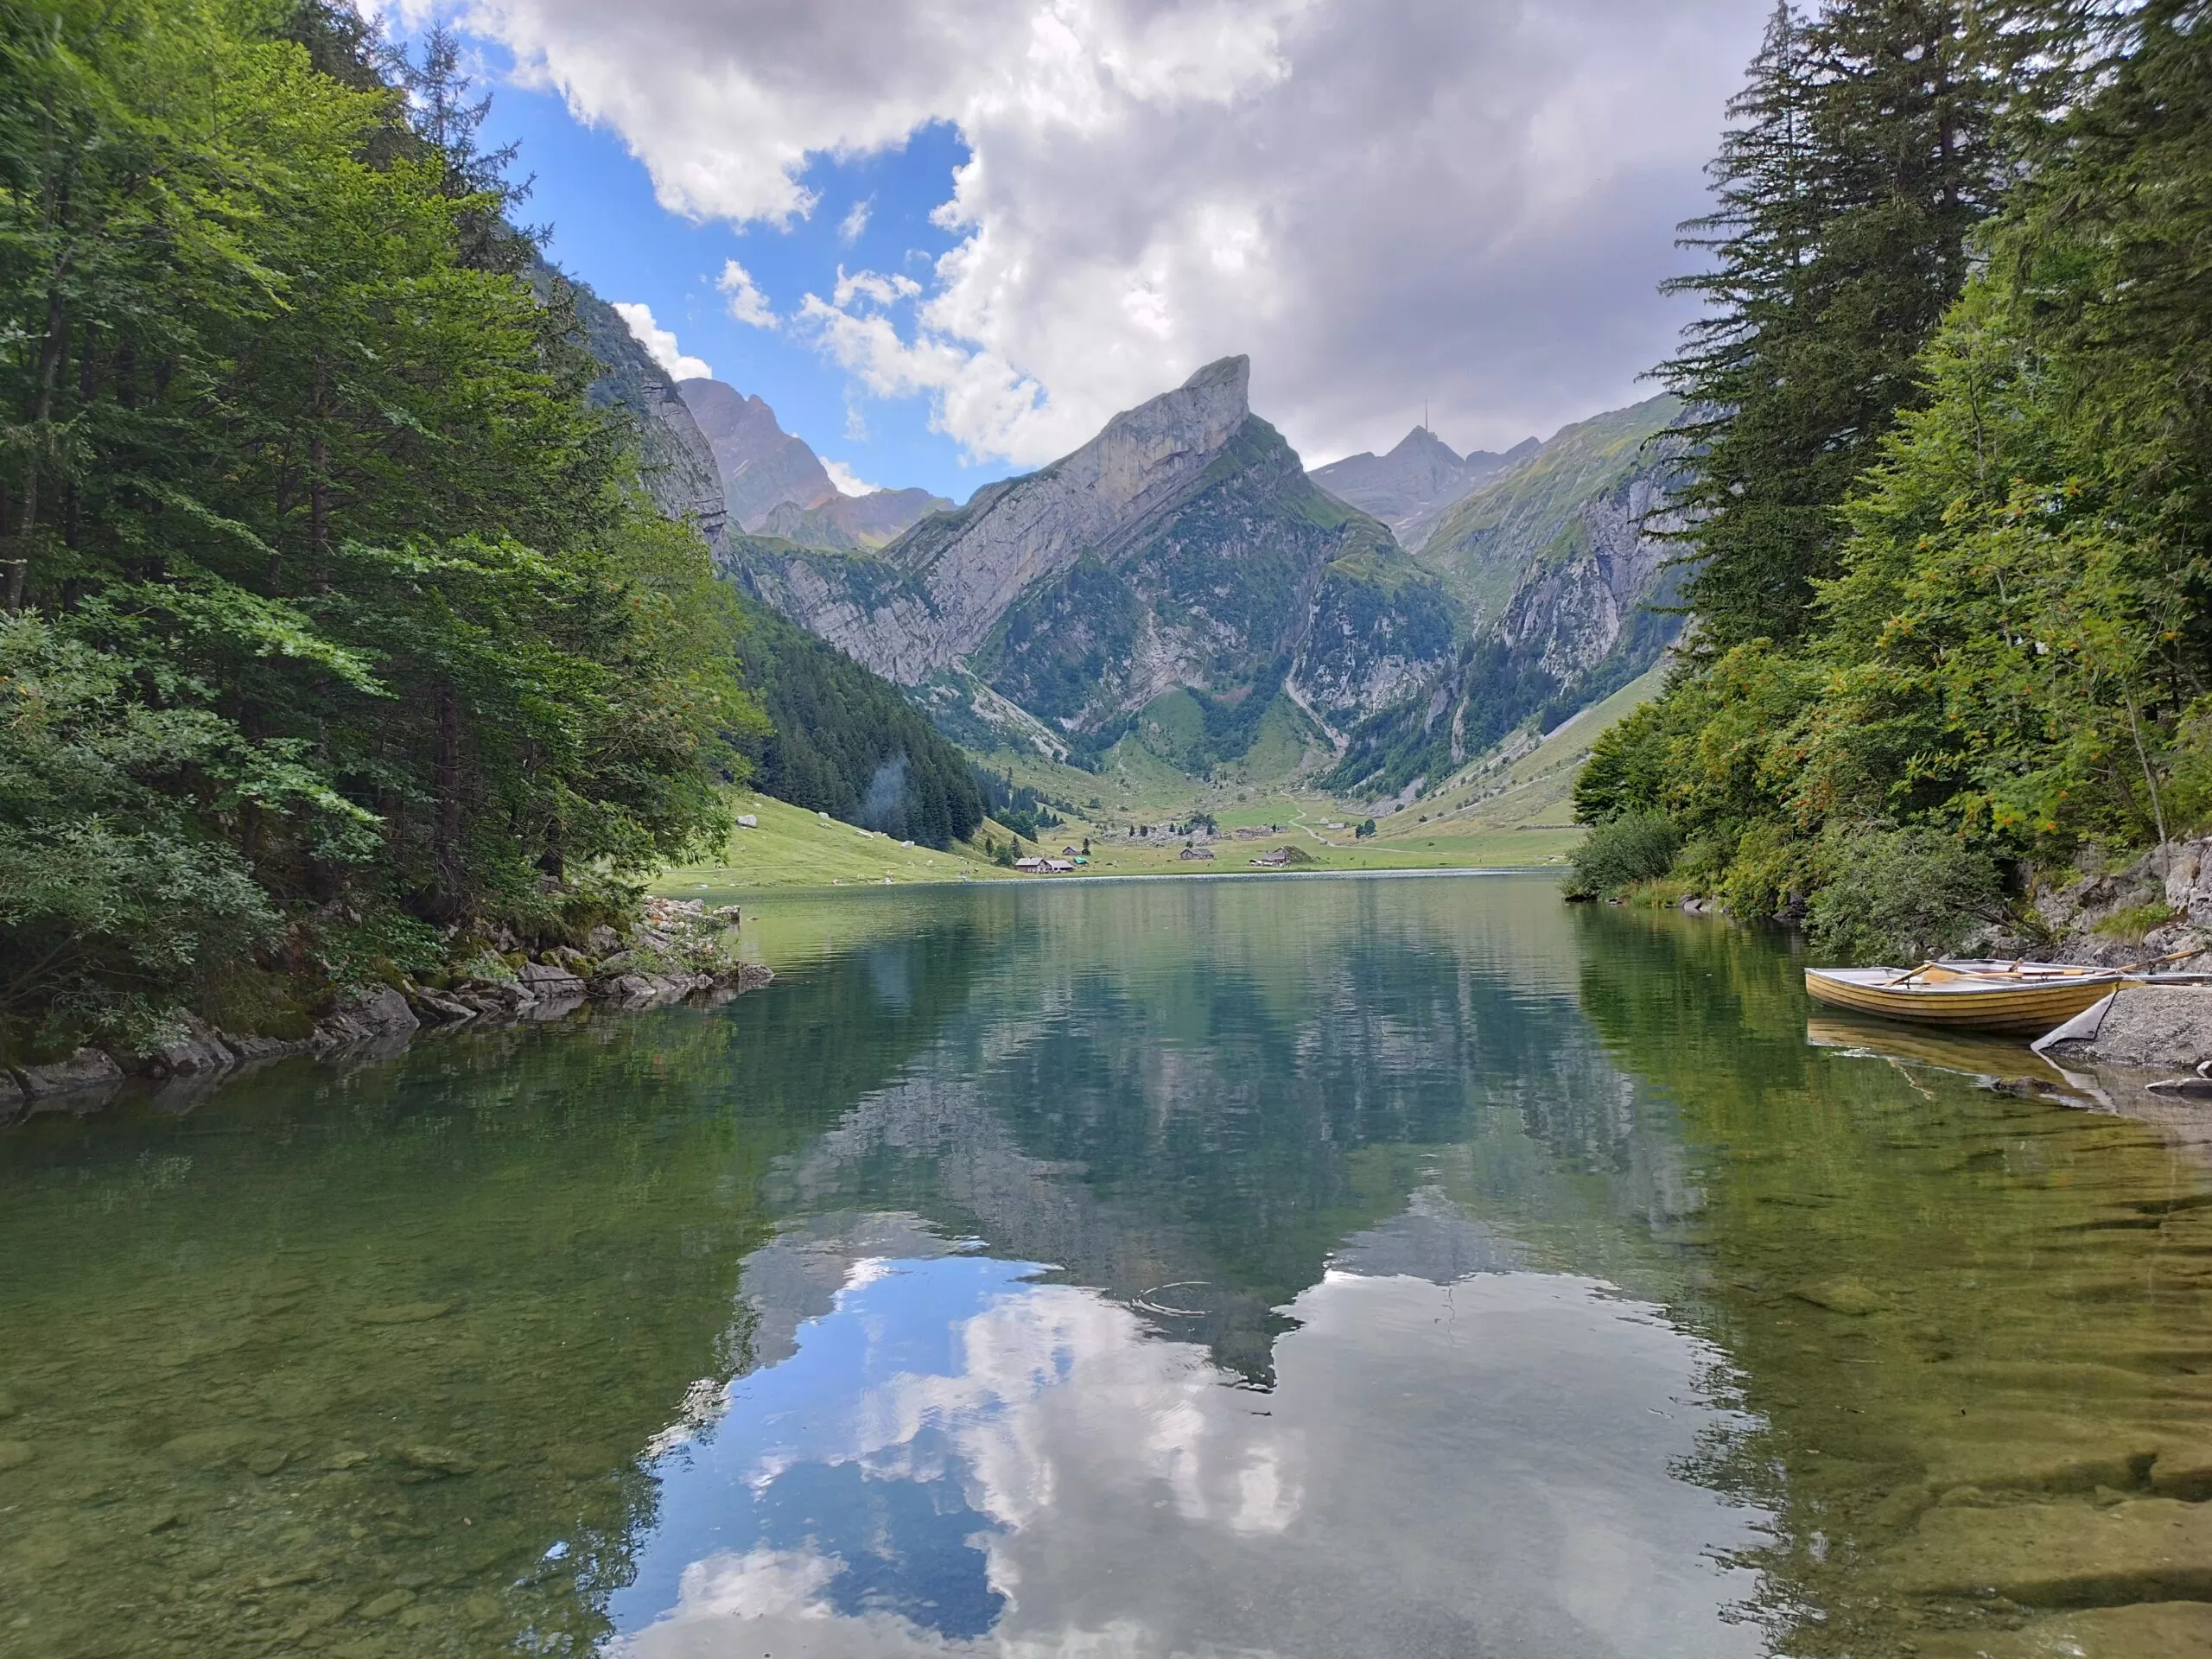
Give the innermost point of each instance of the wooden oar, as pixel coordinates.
(2160, 962)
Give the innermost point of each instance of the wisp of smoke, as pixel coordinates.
(884, 806)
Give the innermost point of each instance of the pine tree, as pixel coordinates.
(1847, 200)
(449, 122)
(1749, 500)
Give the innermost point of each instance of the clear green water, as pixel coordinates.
(1382, 1268)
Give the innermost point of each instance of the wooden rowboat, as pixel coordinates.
(2023, 999)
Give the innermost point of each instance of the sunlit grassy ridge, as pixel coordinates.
(793, 847)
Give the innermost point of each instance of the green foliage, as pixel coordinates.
(1902, 895)
(328, 593)
(2009, 653)
(841, 740)
(1366, 829)
(1623, 851)
(111, 892)
(1862, 156)
(2129, 926)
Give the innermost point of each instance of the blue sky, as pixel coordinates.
(608, 229)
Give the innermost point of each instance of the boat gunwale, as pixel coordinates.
(1900, 983)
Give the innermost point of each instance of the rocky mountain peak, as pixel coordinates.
(762, 465)
(1162, 442)
(1182, 547)
(1410, 487)
(1421, 454)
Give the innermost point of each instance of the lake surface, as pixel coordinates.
(1304, 1268)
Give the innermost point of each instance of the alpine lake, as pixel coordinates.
(1229, 1268)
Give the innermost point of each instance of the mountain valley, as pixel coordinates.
(1183, 584)
(1183, 552)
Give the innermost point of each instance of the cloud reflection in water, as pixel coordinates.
(958, 1456)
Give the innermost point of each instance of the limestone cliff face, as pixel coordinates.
(1182, 548)
(1563, 587)
(676, 465)
(966, 569)
(762, 465)
(1569, 612)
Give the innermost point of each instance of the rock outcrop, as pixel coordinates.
(2157, 905)
(2165, 1026)
(88, 1068)
(675, 951)
(675, 465)
(1183, 548)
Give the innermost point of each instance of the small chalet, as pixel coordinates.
(1192, 854)
(1274, 860)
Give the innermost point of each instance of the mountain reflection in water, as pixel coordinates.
(1312, 1267)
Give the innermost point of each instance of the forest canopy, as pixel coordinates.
(332, 618)
(1952, 460)
(845, 742)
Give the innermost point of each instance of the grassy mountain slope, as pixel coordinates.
(1482, 548)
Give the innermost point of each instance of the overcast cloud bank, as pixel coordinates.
(1381, 201)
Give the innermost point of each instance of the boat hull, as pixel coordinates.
(2016, 1010)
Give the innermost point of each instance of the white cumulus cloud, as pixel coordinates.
(661, 343)
(850, 226)
(847, 480)
(743, 296)
(1382, 201)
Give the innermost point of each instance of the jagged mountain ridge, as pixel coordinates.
(1185, 551)
(774, 484)
(1563, 583)
(676, 465)
(1416, 483)
(762, 465)
(850, 523)
(1182, 549)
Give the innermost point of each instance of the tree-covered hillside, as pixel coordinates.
(845, 742)
(1953, 481)
(331, 616)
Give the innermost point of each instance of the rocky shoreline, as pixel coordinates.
(2168, 1026)
(672, 953)
(2156, 909)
